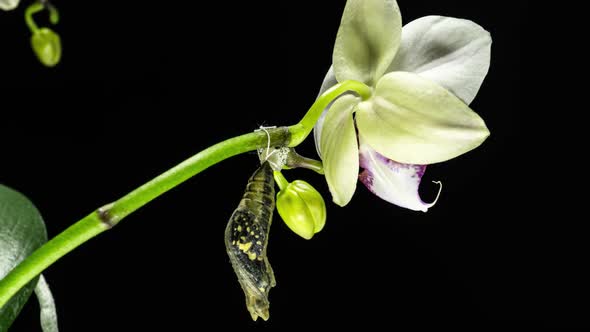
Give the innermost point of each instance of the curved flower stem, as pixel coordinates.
(29, 12)
(249, 142)
(280, 180)
(318, 107)
(111, 214)
(36, 7)
(295, 160)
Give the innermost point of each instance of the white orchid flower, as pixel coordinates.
(8, 4)
(423, 77)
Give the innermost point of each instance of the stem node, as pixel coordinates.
(105, 216)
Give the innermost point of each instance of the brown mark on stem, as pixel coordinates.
(104, 214)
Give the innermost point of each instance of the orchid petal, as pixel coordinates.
(367, 40)
(452, 52)
(340, 149)
(8, 4)
(329, 81)
(413, 120)
(394, 182)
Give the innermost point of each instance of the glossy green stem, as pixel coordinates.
(280, 180)
(316, 110)
(109, 215)
(295, 160)
(29, 12)
(196, 164)
(36, 7)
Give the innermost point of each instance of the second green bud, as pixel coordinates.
(47, 46)
(300, 206)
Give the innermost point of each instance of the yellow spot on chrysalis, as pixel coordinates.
(251, 255)
(261, 289)
(252, 233)
(239, 228)
(247, 229)
(243, 238)
(258, 242)
(257, 236)
(245, 246)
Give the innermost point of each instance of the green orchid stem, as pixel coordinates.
(36, 7)
(295, 160)
(31, 10)
(280, 180)
(316, 110)
(110, 215)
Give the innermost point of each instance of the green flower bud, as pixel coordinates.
(301, 207)
(47, 46)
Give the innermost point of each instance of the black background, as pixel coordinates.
(142, 87)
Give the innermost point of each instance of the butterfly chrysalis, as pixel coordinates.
(246, 239)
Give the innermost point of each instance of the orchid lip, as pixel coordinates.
(392, 181)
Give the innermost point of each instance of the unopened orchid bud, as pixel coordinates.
(45, 42)
(301, 207)
(47, 46)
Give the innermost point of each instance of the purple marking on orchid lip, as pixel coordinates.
(366, 177)
(392, 181)
(418, 169)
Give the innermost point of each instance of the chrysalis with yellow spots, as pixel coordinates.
(246, 239)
